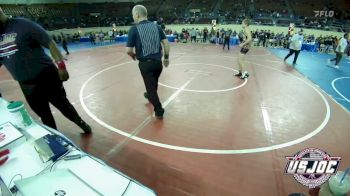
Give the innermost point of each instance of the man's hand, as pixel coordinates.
(166, 62)
(63, 74)
(62, 71)
(132, 55)
(2, 154)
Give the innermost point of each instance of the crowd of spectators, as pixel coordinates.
(103, 15)
(275, 12)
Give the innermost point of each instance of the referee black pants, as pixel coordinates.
(47, 88)
(150, 71)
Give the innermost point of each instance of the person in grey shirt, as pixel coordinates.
(193, 35)
(22, 53)
(340, 50)
(295, 46)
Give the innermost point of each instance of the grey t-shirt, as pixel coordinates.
(21, 51)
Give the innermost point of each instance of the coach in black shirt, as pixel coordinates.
(146, 37)
(22, 53)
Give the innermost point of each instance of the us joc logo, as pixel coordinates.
(312, 167)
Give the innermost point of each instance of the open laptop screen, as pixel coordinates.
(58, 182)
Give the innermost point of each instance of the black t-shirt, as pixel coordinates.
(21, 51)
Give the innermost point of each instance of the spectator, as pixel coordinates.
(295, 46)
(340, 49)
(205, 34)
(39, 78)
(193, 35)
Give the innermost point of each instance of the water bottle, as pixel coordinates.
(19, 114)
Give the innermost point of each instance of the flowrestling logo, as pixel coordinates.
(312, 167)
(324, 13)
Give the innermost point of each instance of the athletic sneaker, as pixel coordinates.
(245, 75)
(336, 66)
(159, 113)
(239, 74)
(85, 127)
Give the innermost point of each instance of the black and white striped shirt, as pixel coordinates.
(146, 38)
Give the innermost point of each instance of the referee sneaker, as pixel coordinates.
(146, 37)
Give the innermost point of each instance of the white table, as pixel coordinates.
(24, 160)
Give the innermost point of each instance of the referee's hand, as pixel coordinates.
(166, 62)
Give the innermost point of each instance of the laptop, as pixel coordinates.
(4, 191)
(56, 183)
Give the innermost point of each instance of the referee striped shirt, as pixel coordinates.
(146, 37)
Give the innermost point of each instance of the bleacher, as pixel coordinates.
(306, 8)
(174, 6)
(61, 10)
(233, 5)
(173, 11)
(152, 6)
(272, 5)
(203, 5)
(230, 11)
(13, 10)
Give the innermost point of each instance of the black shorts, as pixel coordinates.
(244, 50)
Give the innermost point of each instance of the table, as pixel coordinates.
(85, 39)
(123, 38)
(171, 38)
(234, 41)
(25, 161)
(309, 47)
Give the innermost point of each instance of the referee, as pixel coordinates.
(146, 37)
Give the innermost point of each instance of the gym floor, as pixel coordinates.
(220, 135)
